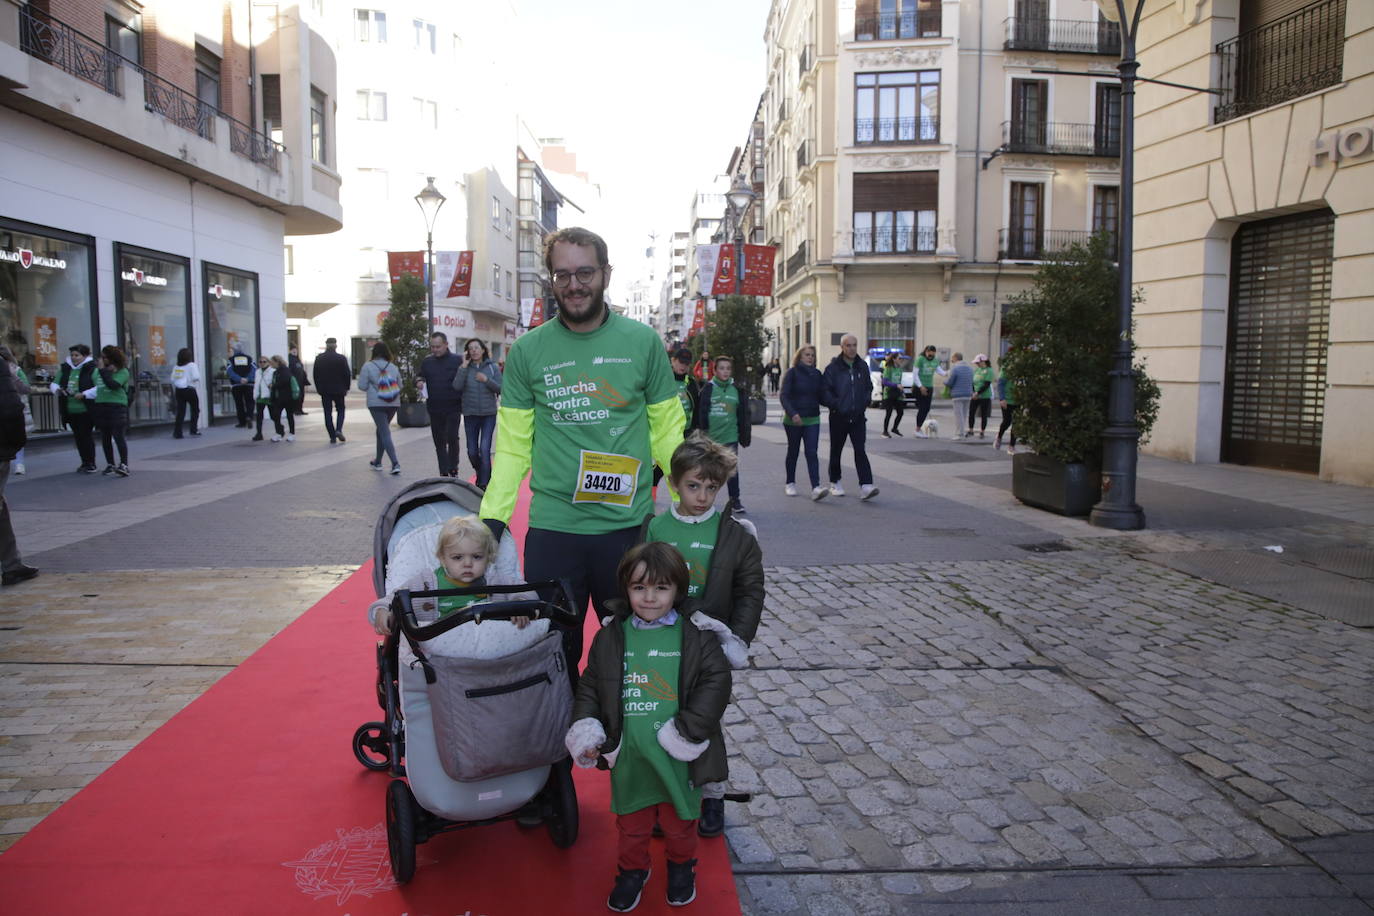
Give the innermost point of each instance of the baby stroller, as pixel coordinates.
(443, 683)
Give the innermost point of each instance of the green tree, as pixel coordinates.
(405, 331)
(1062, 333)
(736, 330)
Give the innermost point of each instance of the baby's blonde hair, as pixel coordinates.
(466, 527)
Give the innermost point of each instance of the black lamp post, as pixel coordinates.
(740, 196)
(430, 200)
(1121, 439)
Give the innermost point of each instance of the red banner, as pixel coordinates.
(537, 313)
(400, 263)
(724, 283)
(462, 277)
(758, 270)
(157, 345)
(45, 341)
(699, 317)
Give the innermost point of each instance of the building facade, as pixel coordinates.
(1254, 232)
(919, 165)
(152, 157)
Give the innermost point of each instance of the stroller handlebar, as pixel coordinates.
(556, 608)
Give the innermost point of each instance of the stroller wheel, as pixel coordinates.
(562, 798)
(371, 747)
(400, 830)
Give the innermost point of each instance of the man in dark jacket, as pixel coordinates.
(241, 371)
(723, 414)
(332, 378)
(76, 376)
(12, 439)
(444, 403)
(848, 389)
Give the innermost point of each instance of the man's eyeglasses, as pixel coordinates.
(584, 275)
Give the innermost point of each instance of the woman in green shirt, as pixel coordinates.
(111, 408)
(983, 378)
(892, 394)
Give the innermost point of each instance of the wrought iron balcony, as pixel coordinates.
(1054, 138)
(798, 261)
(58, 44)
(805, 154)
(896, 130)
(805, 61)
(1020, 244)
(1281, 60)
(1067, 35)
(908, 24)
(894, 241)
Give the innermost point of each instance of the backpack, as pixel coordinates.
(388, 386)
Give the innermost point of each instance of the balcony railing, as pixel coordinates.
(1068, 35)
(804, 154)
(894, 241)
(805, 61)
(798, 261)
(909, 24)
(1054, 138)
(1292, 56)
(74, 52)
(782, 188)
(1019, 244)
(896, 130)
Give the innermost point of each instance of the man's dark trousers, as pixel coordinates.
(331, 404)
(243, 403)
(444, 423)
(854, 428)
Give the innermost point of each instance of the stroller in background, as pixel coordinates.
(508, 686)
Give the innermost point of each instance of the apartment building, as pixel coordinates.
(1254, 230)
(152, 157)
(923, 156)
(673, 295)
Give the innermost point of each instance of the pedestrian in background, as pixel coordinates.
(438, 371)
(242, 374)
(981, 405)
(723, 414)
(478, 382)
(185, 378)
(110, 409)
(262, 393)
(332, 378)
(382, 409)
(1006, 396)
(298, 373)
(774, 375)
(923, 386)
(21, 385)
(13, 437)
(848, 389)
(893, 397)
(283, 389)
(802, 388)
(77, 376)
(959, 380)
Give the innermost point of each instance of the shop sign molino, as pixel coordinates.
(26, 258)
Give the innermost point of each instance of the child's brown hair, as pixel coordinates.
(711, 460)
(662, 563)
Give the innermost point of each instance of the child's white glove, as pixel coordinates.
(736, 650)
(584, 740)
(379, 615)
(678, 747)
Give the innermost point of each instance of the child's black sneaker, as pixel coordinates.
(109, 471)
(682, 882)
(712, 821)
(628, 886)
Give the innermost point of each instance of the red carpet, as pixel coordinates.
(249, 801)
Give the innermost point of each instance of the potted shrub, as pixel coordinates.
(405, 331)
(736, 330)
(1061, 333)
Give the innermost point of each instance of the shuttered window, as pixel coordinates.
(895, 212)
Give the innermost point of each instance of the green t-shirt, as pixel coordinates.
(724, 422)
(644, 774)
(925, 371)
(591, 469)
(685, 398)
(694, 540)
(984, 376)
(104, 395)
(455, 602)
(1009, 388)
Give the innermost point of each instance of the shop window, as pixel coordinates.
(231, 320)
(153, 307)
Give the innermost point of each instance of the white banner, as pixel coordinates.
(445, 265)
(708, 260)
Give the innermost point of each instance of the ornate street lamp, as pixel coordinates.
(740, 196)
(430, 200)
(1121, 439)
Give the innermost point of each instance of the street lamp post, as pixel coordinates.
(430, 200)
(740, 196)
(1120, 440)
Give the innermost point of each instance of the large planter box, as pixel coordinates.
(1046, 483)
(416, 414)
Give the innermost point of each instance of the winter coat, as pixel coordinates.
(734, 583)
(702, 420)
(368, 377)
(848, 388)
(438, 373)
(703, 692)
(803, 391)
(262, 385)
(960, 381)
(281, 385)
(479, 398)
(332, 375)
(12, 433)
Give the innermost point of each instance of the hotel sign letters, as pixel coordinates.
(1351, 143)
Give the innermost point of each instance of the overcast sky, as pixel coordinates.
(652, 97)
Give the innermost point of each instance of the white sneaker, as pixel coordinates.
(921, 435)
(867, 491)
(290, 437)
(790, 489)
(1011, 450)
(819, 493)
(276, 438)
(836, 489)
(18, 470)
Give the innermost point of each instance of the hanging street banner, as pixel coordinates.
(724, 283)
(707, 256)
(758, 270)
(699, 317)
(452, 274)
(400, 263)
(532, 311)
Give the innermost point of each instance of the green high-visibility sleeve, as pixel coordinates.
(510, 461)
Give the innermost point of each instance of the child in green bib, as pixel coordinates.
(648, 708)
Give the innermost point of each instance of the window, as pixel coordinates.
(895, 212)
(1029, 109)
(371, 105)
(1106, 212)
(370, 26)
(1107, 129)
(426, 36)
(899, 107)
(510, 284)
(496, 212)
(496, 279)
(271, 106)
(207, 88)
(289, 259)
(509, 223)
(876, 20)
(427, 113)
(124, 36)
(1027, 220)
(318, 146)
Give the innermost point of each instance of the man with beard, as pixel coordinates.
(588, 407)
(445, 405)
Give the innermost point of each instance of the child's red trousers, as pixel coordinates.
(636, 828)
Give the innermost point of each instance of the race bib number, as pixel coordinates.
(606, 478)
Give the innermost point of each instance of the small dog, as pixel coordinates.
(931, 427)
